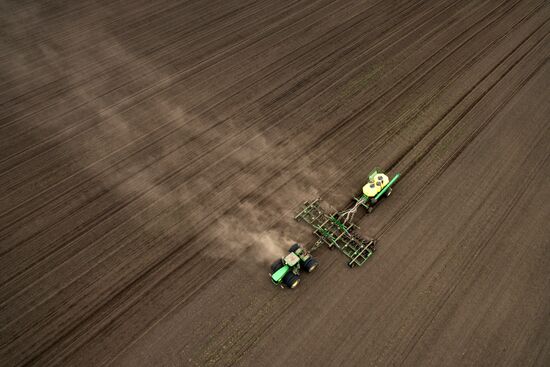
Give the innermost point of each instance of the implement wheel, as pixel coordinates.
(388, 193)
(310, 264)
(291, 280)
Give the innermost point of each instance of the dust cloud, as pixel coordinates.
(248, 226)
(239, 234)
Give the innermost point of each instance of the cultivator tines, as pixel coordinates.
(358, 251)
(331, 231)
(311, 213)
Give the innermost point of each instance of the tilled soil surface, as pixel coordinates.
(153, 155)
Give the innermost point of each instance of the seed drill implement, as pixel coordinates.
(334, 229)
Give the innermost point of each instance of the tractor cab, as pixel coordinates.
(287, 269)
(291, 259)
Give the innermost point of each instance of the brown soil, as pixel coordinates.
(153, 155)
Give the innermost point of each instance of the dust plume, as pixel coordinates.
(262, 224)
(249, 231)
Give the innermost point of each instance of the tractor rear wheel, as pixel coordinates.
(294, 247)
(310, 264)
(291, 280)
(277, 265)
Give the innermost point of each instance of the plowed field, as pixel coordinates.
(153, 155)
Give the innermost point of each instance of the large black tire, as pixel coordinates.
(310, 264)
(277, 265)
(388, 193)
(291, 280)
(294, 247)
(370, 209)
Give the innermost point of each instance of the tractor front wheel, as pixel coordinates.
(294, 248)
(291, 280)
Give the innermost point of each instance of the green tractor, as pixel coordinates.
(287, 269)
(336, 229)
